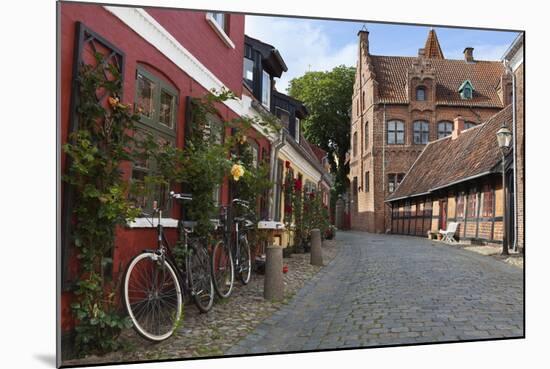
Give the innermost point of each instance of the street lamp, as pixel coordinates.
(504, 139)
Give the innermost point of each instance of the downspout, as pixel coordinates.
(508, 68)
(277, 145)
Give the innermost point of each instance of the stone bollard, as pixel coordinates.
(316, 251)
(273, 281)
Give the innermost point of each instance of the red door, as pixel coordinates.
(443, 214)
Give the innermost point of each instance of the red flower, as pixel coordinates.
(287, 164)
(312, 195)
(288, 209)
(297, 184)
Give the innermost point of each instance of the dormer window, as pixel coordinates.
(466, 90)
(421, 93)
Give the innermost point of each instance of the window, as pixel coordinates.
(472, 204)
(421, 132)
(460, 205)
(396, 132)
(283, 115)
(444, 129)
(266, 89)
(394, 180)
(363, 100)
(354, 144)
(469, 125)
(487, 201)
(421, 93)
(213, 133)
(156, 104)
(467, 93)
(366, 133)
(428, 208)
(297, 130)
(466, 90)
(367, 181)
(248, 69)
(255, 148)
(221, 19)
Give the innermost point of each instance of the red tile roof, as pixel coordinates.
(446, 161)
(391, 75)
(432, 49)
(319, 153)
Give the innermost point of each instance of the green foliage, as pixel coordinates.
(328, 98)
(96, 151)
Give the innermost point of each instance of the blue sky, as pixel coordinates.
(308, 44)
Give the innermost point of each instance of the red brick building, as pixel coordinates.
(456, 179)
(400, 104)
(164, 55)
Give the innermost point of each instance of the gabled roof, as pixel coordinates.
(319, 153)
(271, 59)
(464, 84)
(432, 49)
(445, 162)
(391, 73)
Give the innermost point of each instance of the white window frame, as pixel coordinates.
(245, 59)
(266, 88)
(219, 29)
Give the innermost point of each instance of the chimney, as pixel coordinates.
(458, 127)
(469, 54)
(421, 53)
(363, 40)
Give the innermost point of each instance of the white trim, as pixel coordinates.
(301, 164)
(153, 32)
(225, 38)
(146, 223)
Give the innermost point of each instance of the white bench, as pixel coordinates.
(449, 233)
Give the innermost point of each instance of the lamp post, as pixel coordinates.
(504, 139)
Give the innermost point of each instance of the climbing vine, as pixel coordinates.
(96, 151)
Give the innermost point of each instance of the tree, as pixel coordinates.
(328, 98)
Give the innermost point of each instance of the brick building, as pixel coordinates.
(513, 59)
(166, 57)
(457, 179)
(402, 103)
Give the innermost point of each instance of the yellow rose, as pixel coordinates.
(237, 171)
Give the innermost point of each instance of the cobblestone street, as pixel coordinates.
(385, 289)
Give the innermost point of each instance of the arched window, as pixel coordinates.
(421, 93)
(396, 132)
(421, 132)
(354, 144)
(444, 129)
(469, 125)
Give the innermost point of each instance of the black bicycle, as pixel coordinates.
(231, 255)
(155, 283)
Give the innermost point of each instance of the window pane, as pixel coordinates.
(420, 94)
(297, 130)
(391, 126)
(266, 89)
(400, 139)
(145, 96)
(166, 113)
(400, 126)
(248, 69)
(391, 138)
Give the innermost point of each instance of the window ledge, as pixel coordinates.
(225, 38)
(145, 223)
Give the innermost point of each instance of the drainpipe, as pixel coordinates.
(509, 69)
(277, 144)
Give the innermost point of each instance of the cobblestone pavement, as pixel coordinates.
(387, 289)
(229, 320)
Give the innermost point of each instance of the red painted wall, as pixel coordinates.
(193, 31)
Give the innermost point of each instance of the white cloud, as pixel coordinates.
(481, 52)
(303, 45)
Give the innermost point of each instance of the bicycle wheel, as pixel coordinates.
(223, 274)
(200, 277)
(244, 271)
(152, 296)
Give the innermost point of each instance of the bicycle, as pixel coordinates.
(230, 258)
(155, 285)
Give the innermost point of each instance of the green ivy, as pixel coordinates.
(96, 151)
